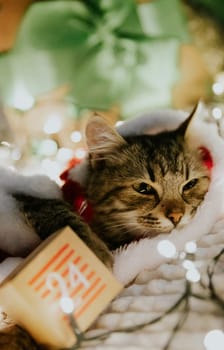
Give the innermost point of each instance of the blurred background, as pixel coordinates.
(62, 59)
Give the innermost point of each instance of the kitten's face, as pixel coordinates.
(144, 185)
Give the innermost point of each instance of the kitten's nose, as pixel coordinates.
(175, 216)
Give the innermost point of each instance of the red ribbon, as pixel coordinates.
(75, 195)
(207, 158)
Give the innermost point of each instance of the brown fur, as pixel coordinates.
(16, 338)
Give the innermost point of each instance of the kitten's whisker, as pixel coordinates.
(122, 225)
(130, 228)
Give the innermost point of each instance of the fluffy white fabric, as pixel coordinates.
(16, 236)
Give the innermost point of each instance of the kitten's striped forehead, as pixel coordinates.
(176, 164)
(162, 156)
(164, 164)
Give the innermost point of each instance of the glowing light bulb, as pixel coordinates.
(80, 153)
(5, 143)
(217, 113)
(76, 136)
(67, 305)
(64, 154)
(53, 124)
(48, 147)
(214, 340)
(166, 248)
(193, 275)
(218, 88)
(188, 264)
(120, 122)
(191, 247)
(182, 255)
(22, 99)
(16, 154)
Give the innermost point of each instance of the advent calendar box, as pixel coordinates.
(61, 268)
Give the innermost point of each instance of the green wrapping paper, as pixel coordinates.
(109, 52)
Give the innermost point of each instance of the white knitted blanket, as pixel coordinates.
(174, 285)
(155, 291)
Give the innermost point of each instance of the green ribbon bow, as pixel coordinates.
(110, 52)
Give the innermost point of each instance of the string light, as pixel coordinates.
(5, 143)
(182, 255)
(67, 305)
(214, 340)
(48, 148)
(16, 154)
(191, 247)
(22, 99)
(217, 113)
(9, 153)
(80, 153)
(119, 123)
(53, 124)
(76, 136)
(218, 88)
(193, 275)
(188, 264)
(64, 154)
(166, 248)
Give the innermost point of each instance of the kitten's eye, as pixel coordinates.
(144, 188)
(190, 184)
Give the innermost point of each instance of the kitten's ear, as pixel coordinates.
(101, 137)
(184, 126)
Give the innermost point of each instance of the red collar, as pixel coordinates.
(207, 158)
(74, 194)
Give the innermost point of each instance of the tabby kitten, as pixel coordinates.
(138, 186)
(141, 186)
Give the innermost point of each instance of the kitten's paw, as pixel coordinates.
(100, 249)
(16, 338)
(106, 257)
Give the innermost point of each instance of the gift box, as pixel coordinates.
(61, 279)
